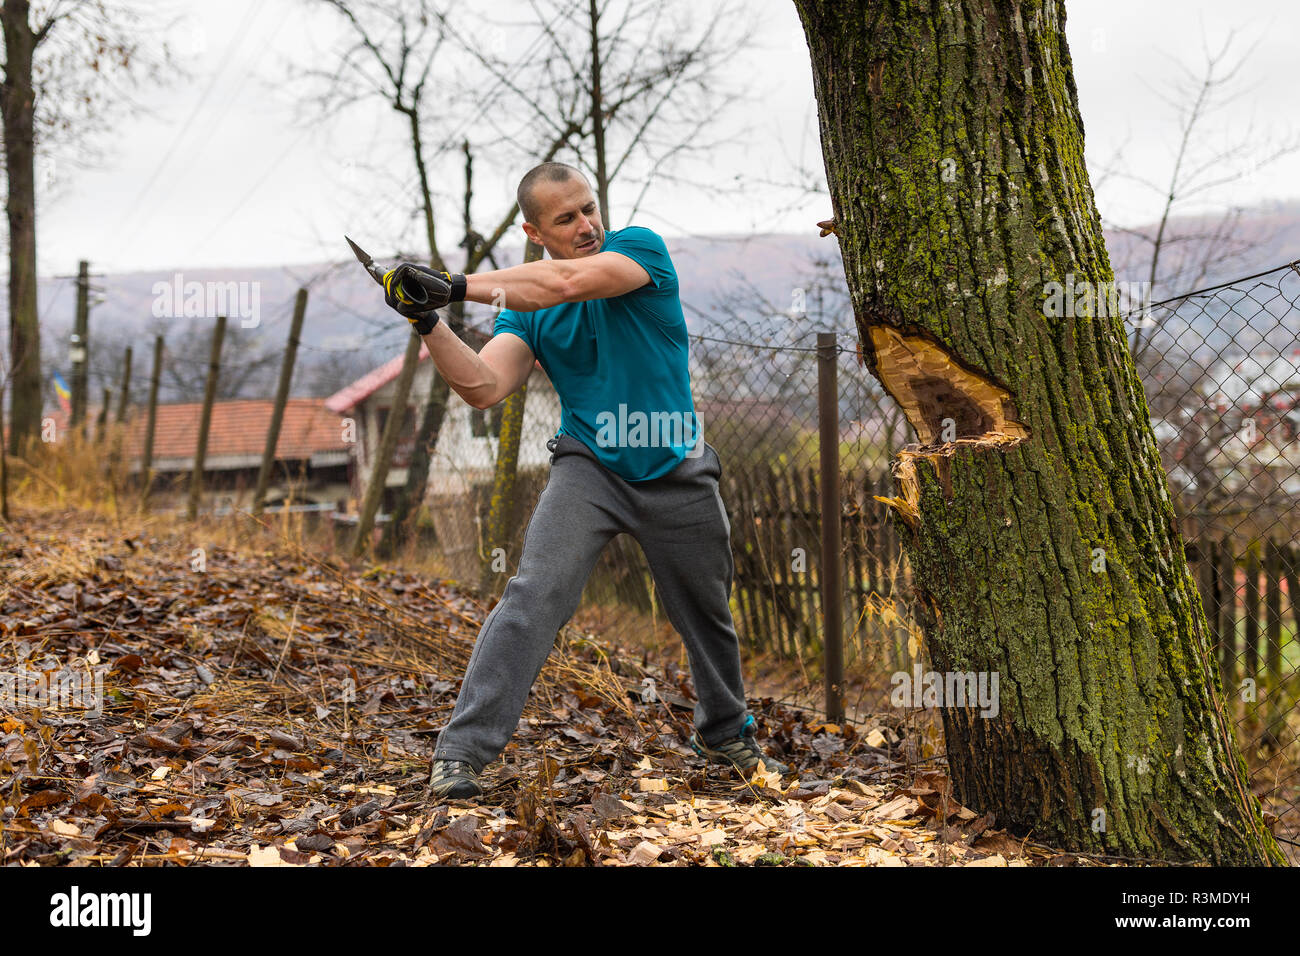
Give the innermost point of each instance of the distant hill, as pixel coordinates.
(1263, 236)
(348, 329)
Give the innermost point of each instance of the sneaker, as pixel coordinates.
(741, 752)
(454, 779)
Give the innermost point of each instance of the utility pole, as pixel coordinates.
(79, 345)
(77, 353)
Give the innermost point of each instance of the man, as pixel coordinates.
(603, 318)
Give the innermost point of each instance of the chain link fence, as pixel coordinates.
(1221, 368)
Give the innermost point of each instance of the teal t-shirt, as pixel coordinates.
(620, 365)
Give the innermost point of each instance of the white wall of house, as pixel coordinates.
(461, 459)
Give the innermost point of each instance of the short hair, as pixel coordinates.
(549, 172)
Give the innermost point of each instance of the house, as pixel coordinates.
(311, 463)
(1236, 433)
(311, 454)
(466, 451)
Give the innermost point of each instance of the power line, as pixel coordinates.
(249, 195)
(394, 197)
(226, 60)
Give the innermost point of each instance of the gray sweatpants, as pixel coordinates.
(682, 527)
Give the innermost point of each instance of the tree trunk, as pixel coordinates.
(281, 399)
(18, 106)
(411, 497)
(387, 444)
(407, 507)
(502, 504)
(1035, 511)
(4, 465)
(435, 407)
(598, 115)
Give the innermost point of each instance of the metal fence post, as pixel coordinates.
(832, 591)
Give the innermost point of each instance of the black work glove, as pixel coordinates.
(416, 292)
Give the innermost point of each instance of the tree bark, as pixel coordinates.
(1035, 511)
(387, 444)
(477, 249)
(409, 500)
(281, 399)
(598, 115)
(411, 497)
(18, 106)
(205, 420)
(502, 503)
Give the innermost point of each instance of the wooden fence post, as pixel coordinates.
(146, 461)
(1273, 626)
(209, 396)
(828, 407)
(80, 355)
(281, 397)
(814, 600)
(1250, 662)
(778, 559)
(760, 572)
(123, 396)
(1227, 612)
(101, 420)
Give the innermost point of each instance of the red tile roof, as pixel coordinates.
(238, 428)
(353, 395)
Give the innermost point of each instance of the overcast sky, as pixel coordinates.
(222, 170)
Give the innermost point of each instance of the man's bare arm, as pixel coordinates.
(481, 378)
(548, 282)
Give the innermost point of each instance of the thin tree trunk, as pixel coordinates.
(435, 407)
(4, 465)
(1035, 512)
(598, 115)
(124, 395)
(502, 503)
(18, 106)
(409, 499)
(387, 443)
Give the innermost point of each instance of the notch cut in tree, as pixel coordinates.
(1042, 539)
(946, 404)
(937, 395)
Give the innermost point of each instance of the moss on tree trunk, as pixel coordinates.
(1036, 513)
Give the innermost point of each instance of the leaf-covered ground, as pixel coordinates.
(271, 707)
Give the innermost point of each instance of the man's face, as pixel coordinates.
(569, 222)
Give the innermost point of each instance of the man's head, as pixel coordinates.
(560, 212)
